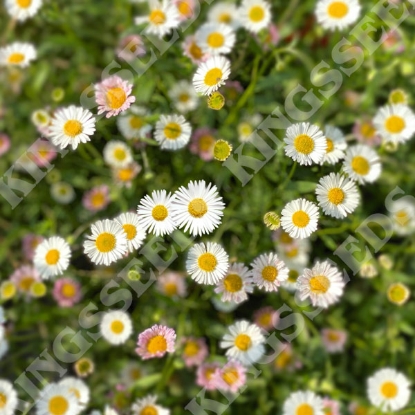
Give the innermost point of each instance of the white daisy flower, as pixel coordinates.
(269, 272)
(305, 143)
(244, 341)
(336, 144)
(402, 214)
(56, 399)
(211, 74)
(51, 257)
(323, 284)
(303, 403)
(62, 192)
(299, 218)
(337, 14)
(183, 96)
(337, 195)
(226, 13)
(71, 126)
(207, 263)
(389, 390)
(133, 230)
(215, 38)
(290, 284)
(362, 164)
(8, 398)
(17, 54)
(162, 19)
(395, 123)
(236, 284)
(117, 154)
(198, 208)
(116, 327)
(107, 242)
(22, 9)
(172, 132)
(133, 124)
(155, 214)
(255, 15)
(148, 406)
(77, 387)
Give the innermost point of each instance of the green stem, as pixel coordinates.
(289, 177)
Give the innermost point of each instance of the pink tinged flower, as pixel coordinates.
(172, 284)
(333, 340)
(203, 142)
(186, 8)
(331, 407)
(193, 51)
(29, 244)
(195, 351)
(365, 132)
(113, 96)
(4, 143)
(67, 292)
(392, 41)
(96, 199)
(286, 359)
(24, 277)
(42, 152)
(271, 37)
(131, 47)
(267, 318)
(231, 377)
(156, 342)
(205, 375)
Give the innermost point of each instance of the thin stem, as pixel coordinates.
(289, 177)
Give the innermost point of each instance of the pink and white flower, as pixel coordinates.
(67, 292)
(156, 342)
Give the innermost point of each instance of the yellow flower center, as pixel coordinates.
(209, 373)
(300, 219)
(117, 327)
(15, 58)
(159, 213)
(256, 14)
(230, 375)
(58, 405)
(135, 374)
(265, 319)
(120, 154)
(207, 262)
(285, 238)
(24, 4)
(337, 9)
(157, 17)
(184, 8)
(293, 275)
(367, 130)
(157, 344)
(319, 284)
(304, 144)
(25, 283)
(3, 400)
(360, 165)
(126, 174)
(136, 122)
(184, 97)
(243, 342)
(68, 290)
(172, 130)
(191, 348)
(215, 40)
(397, 293)
(330, 145)
(116, 97)
(389, 389)
(361, 410)
(304, 409)
(8, 290)
(149, 410)
(38, 289)
(195, 51)
(401, 217)
(335, 195)
(283, 359)
(292, 253)
(245, 129)
(333, 336)
(233, 283)
(397, 97)
(105, 242)
(130, 230)
(225, 18)
(197, 208)
(52, 257)
(222, 150)
(206, 142)
(213, 76)
(72, 128)
(170, 289)
(394, 124)
(97, 199)
(269, 273)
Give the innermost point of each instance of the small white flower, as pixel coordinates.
(299, 218)
(269, 272)
(227, 13)
(8, 398)
(215, 38)
(134, 232)
(133, 124)
(337, 14)
(183, 96)
(389, 390)
(116, 327)
(211, 74)
(17, 54)
(402, 214)
(62, 192)
(336, 144)
(255, 15)
(78, 388)
(337, 195)
(22, 9)
(172, 132)
(295, 270)
(207, 263)
(362, 164)
(117, 154)
(244, 341)
(51, 257)
(303, 403)
(56, 399)
(305, 143)
(148, 406)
